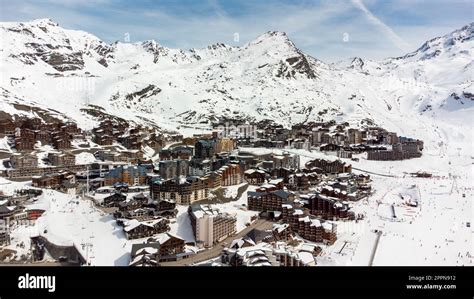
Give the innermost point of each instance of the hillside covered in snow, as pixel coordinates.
(47, 69)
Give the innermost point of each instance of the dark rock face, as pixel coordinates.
(25, 58)
(52, 55)
(64, 62)
(293, 65)
(105, 51)
(24, 31)
(146, 92)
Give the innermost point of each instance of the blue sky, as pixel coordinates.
(328, 30)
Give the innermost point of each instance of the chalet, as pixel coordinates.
(47, 181)
(145, 254)
(249, 256)
(68, 187)
(302, 180)
(135, 229)
(141, 198)
(71, 128)
(255, 176)
(103, 139)
(7, 212)
(283, 173)
(32, 123)
(129, 205)
(164, 205)
(171, 246)
(113, 200)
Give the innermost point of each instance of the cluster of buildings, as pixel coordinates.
(26, 132)
(407, 148)
(308, 212)
(14, 208)
(124, 156)
(133, 138)
(187, 174)
(338, 139)
(137, 206)
(62, 180)
(302, 202)
(26, 165)
(262, 248)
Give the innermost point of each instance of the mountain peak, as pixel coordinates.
(435, 46)
(273, 37)
(43, 22)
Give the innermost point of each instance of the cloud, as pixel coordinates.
(389, 33)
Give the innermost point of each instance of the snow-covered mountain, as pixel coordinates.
(48, 67)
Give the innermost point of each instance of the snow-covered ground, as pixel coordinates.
(4, 144)
(237, 207)
(69, 220)
(434, 233)
(182, 225)
(85, 158)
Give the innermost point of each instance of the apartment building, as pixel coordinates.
(326, 166)
(308, 226)
(132, 175)
(170, 169)
(231, 174)
(183, 191)
(211, 226)
(62, 159)
(22, 161)
(268, 201)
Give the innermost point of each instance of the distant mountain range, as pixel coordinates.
(49, 68)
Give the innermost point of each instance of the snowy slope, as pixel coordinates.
(268, 78)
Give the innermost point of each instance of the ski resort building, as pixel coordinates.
(210, 225)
